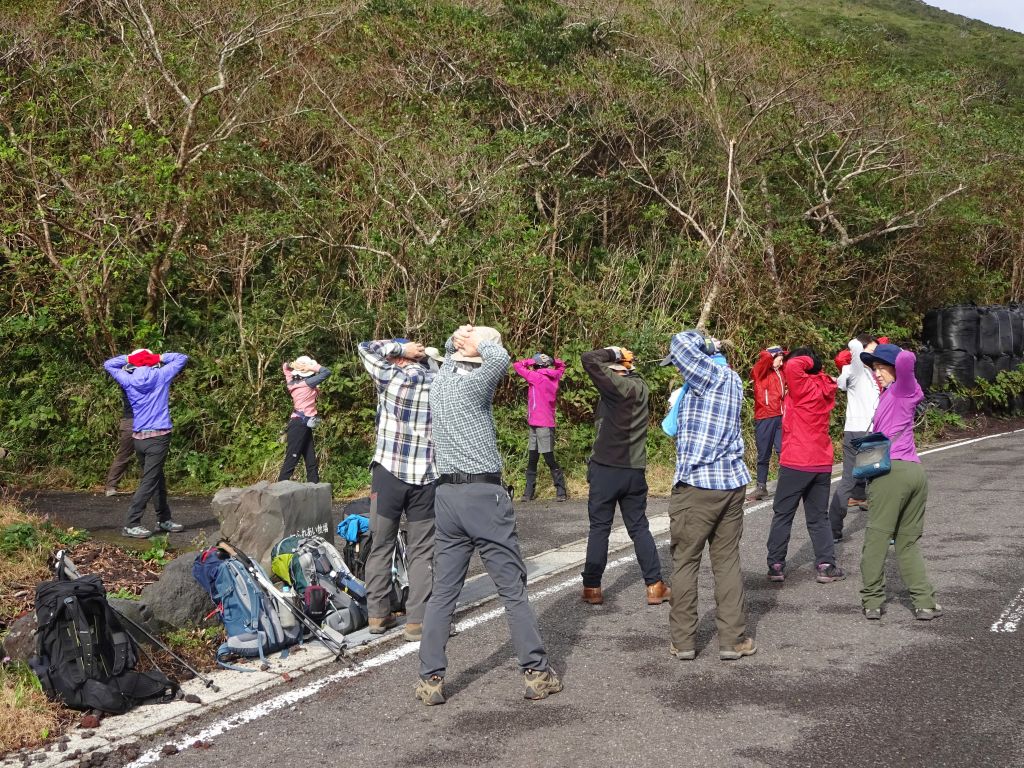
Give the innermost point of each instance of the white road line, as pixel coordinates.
(1011, 618)
(292, 697)
(968, 442)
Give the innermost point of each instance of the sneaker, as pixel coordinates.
(689, 655)
(745, 647)
(873, 614)
(827, 573)
(837, 538)
(136, 532)
(431, 691)
(110, 492)
(540, 685)
(927, 614)
(380, 626)
(413, 633)
(776, 572)
(856, 502)
(170, 526)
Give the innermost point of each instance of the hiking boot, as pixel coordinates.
(558, 478)
(658, 593)
(380, 626)
(827, 573)
(744, 647)
(136, 532)
(873, 614)
(593, 595)
(110, 491)
(689, 655)
(431, 691)
(170, 526)
(760, 492)
(413, 633)
(927, 614)
(776, 572)
(540, 685)
(531, 484)
(837, 538)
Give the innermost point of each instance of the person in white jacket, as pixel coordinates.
(862, 392)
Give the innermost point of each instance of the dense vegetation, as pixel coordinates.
(248, 180)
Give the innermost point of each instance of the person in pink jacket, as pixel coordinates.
(543, 375)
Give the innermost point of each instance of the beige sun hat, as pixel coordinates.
(434, 354)
(303, 365)
(484, 333)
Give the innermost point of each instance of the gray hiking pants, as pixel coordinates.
(391, 498)
(477, 517)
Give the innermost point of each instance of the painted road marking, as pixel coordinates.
(1013, 615)
(1011, 618)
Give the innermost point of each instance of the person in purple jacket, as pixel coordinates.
(542, 373)
(146, 379)
(896, 500)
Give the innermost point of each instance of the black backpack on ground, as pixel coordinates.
(84, 657)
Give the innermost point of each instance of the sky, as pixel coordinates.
(1000, 13)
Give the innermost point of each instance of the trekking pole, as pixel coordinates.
(199, 675)
(338, 648)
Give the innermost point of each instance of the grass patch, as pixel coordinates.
(26, 543)
(29, 718)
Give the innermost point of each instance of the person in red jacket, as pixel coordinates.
(769, 390)
(805, 465)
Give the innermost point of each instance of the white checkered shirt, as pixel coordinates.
(404, 446)
(461, 401)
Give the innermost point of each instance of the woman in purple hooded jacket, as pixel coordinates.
(543, 374)
(896, 499)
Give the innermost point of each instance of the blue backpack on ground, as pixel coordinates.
(252, 619)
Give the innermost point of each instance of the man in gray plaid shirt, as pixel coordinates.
(402, 479)
(474, 511)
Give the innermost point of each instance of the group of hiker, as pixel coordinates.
(436, 462)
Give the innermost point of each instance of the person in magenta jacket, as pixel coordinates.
(769, 391)
(146, 380)
(805, 466)
(543, 374)
(896, 500)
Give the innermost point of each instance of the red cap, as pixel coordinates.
(883, 339)
(143, 357)
(843, 358)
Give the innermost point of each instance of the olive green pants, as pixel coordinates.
(700, 517)
(896, 511)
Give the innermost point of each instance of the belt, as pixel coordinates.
(461, 478)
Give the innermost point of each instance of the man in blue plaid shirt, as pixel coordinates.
(403, 477)
(707, 499)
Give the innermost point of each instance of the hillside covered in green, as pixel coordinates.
(249, 180)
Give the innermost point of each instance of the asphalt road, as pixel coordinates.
(825, 688)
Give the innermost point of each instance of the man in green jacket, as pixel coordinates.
(617, 471)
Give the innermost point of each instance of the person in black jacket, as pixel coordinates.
(617, 471)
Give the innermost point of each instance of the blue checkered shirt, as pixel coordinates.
(404, 446)
(709, 443)
(461, 401)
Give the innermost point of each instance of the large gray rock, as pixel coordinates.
(136, 612)
(20, 641)
(257, 517)
(175, 599)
